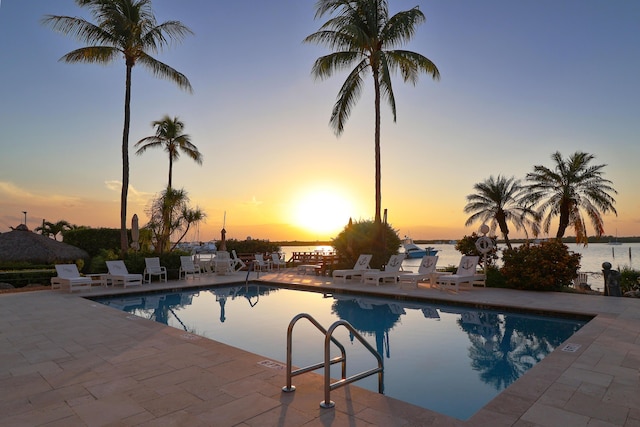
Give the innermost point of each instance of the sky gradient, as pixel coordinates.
(519, 81)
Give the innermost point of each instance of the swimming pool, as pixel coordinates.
(450, 359)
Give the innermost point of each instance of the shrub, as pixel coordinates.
(93, 240)
(628, 279)
(363, 237)
(251, 246)
(549, 266)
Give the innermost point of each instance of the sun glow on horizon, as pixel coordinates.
(322, 211)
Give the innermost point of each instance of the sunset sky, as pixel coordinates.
(519, 81)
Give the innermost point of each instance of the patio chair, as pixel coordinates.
(153, 268)
(118, 274)
(188, 267)
(222, 263)
(260, 264)
(238, 264)
(361, 265)
(69, 277)
(466, 273)
(277, 262)
(392, 270)
(426, 271)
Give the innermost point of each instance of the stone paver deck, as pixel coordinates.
(68, 361)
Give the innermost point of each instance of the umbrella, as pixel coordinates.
(223, 241)
(135, 233)
(223, 233)
(22, 245)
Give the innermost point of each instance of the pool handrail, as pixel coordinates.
(328, 361)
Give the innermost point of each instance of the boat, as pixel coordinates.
(411, 250)
(615, 242)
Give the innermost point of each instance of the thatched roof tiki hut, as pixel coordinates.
(22, 245)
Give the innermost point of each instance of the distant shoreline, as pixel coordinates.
(566, 240)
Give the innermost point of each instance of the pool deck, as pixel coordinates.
(68, 361)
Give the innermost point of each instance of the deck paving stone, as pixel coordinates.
(239, 410)
(107, 410)
(282, 416)
(596, 408)
(550, 416)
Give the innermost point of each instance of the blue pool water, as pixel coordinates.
(449, 359)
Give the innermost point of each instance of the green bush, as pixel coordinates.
(628, 279)
(364, 237)
(23, 278)
(549, 266)
(251, 246)
(93, 240)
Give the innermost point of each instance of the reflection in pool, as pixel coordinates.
(450, 359)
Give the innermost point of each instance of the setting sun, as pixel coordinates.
(322, 212)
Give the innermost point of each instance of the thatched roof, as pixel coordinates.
(22, 245)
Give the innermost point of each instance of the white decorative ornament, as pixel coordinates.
(484, 244)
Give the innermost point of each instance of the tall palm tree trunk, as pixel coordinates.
(563, 221)
(170, 169)
(376, 82)
(124, 240)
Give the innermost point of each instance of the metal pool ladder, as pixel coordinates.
(328, 361)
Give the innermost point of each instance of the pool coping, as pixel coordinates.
(598, 384)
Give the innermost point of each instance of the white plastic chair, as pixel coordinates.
(361, 265)
(153, 268)
(119, 275)
(69, 277)
(277, 262)
(188, 267)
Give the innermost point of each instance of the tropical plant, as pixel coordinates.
(363, 237)
(169, 136)
(125, 28)
(499, 201)
(362, 34)
(549, 266)
(53, 229)
(170, 213)
(571, 186)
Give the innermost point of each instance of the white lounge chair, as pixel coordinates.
(222, 263)
(153, 268)
(426, 271)
(277, 262)
(392, 270)
(260, 264)
(361, 265)
(466, 273)
(69, 277)
(118, 274)
(188, 267)
(238, 264)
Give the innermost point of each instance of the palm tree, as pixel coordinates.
(51, 229)
(571, 186)
(169, 135)
(363, 34)
(500, 201)
(125, 28)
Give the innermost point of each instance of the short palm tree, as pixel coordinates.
(363, 35)
(500, 201)
(169, 135)
(125, 28)
(571, 186)
(51, 229)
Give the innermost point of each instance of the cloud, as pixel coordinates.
(134, 195)
(253, 202)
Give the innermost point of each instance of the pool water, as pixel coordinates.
(450, 359)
